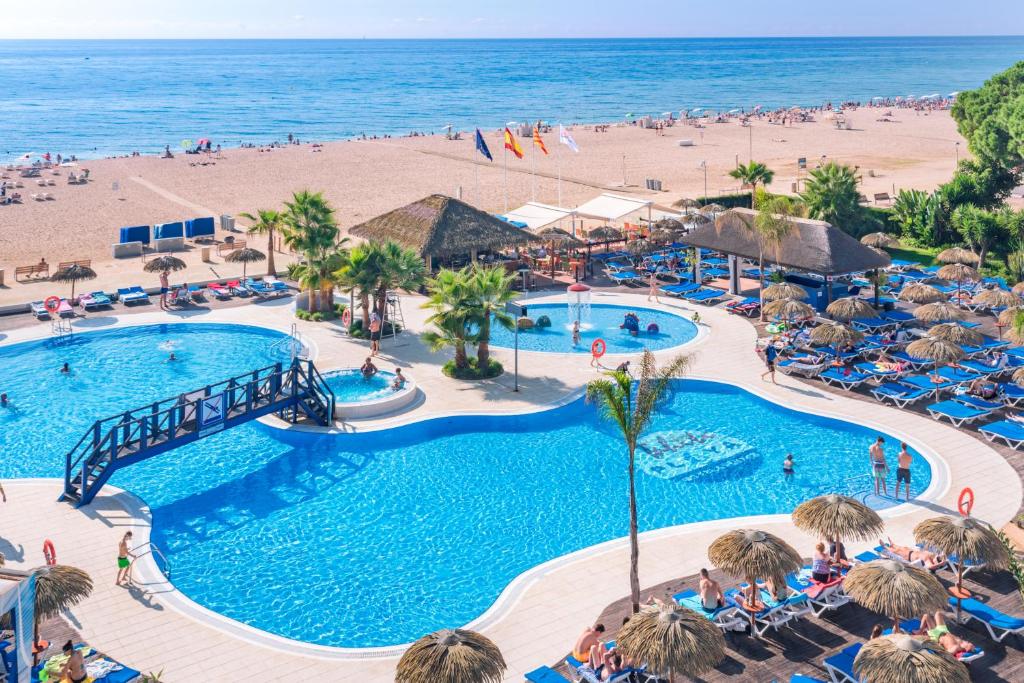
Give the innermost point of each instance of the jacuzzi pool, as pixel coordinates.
(359, 397)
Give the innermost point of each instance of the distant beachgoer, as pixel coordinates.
(929, 559)
(936, 629)
(770, 354)
(787, 467)
(4, 400)
(171, 358)
(368, 369)
(399, 381)
(652, 282)
(821, 568)
(711, 596)
(65, 369)
(879, 467)
(576, 333)
(903, 460)
(374, 333)
(623, 367)
(124, 563)
(74, 668)
(165, 286)
(3, 494)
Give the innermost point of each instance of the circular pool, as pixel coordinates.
(356, 396)
(602, 321)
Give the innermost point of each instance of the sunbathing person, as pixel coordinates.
(711, 597)
(929, 559)
(614, 664)
(74, 668)
(936, 629)
(982, 388)
(585, 644)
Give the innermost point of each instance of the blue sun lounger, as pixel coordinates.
(876, 373)
(545, 674)
(1010, 432)
(977, 402)
(776, 613)
(957, 376)
(957, 413)
(998, 624)
(131, 295)
(836, 377)
(901, 395)
(800, 678)
(95, 300)
(987, 345)
(912, 361)
(704, 295)
(898, 316)
(840, 665)
(680, 289)
(1011, 394)
(873, 324)
(625, 276)
(925, 382)
(724, 617)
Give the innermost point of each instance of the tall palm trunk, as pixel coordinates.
(271, 269)
(311, 299)
(634, 541)
(364, 304)
(460, 355)
(760, 277)
(483, 347)
(327, 298)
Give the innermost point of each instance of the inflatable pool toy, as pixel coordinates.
(653, 328)
(525, 324)
(775, 328)
(543, 321)
(631, 323)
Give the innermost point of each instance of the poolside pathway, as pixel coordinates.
(538, 618)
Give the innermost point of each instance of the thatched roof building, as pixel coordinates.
(812, 246)
(438, 226)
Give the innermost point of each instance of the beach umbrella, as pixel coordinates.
(604, 233)
(1018, 289)
(712, 208)
(850, 308)
(753, 554)
(940, 351)
(451, 656)
(1018, 376)
(783, 290)
(659, 234)
(671, 639)
(879, 240)
(894, 589)
(698, 219)
(245, 257)
(58, 587)
(920, 293)
(997, 298)
(957, 255)
(955, 333)
(937, 312)
(686, 203)
(556, 237)
(900, 658)
(164, 262)
(837, 517)
(967, 540)
(831, 333)
(958, 272)
(73, 274)
(788, 309)
(638, 247)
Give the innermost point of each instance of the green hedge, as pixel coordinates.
(493, 369)
(729, 201)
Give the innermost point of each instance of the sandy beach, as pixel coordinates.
(365, 178)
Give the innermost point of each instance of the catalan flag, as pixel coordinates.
(539, 141)
(512, 145)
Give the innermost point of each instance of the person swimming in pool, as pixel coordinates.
(576, 333)
(787, 467)
(171, 358)
(399, 381)
(368, 369)
(4, 401)
(65, 369)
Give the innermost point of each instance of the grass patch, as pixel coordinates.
(926, 257)
(493, 369)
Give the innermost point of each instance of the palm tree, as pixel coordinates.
(490, 290)
(448, 295)
(310, 229)
(753, 174)
(266, 222)
(397, 268)
(630, 406)
(772, 224)
(831, 195)
(359, 273)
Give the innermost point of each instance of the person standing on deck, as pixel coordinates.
(879, 467)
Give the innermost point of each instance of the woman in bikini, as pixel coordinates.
(936, 629)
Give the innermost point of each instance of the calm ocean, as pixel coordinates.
(94, 98)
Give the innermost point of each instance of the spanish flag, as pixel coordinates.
(538, 141)
(512, 145)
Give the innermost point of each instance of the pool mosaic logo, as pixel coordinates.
(688, 455)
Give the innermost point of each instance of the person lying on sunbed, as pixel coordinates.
(982, 388)
(929, 559)
(936, 629)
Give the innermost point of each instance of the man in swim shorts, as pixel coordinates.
(586, 642)
(903, 460)
(879, 467)
(124, 563)
(711, 596)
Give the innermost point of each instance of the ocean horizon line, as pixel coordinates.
(837, 36)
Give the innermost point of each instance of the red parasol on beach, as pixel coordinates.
(203, 141)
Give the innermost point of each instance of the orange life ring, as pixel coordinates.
(965, 502)
(346, 317)
(49, 553)
(598, 348)
(52, 304)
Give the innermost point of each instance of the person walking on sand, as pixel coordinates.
(903, 460)
(165, 286)
(124, 561)
(879, 467)
(653, 291)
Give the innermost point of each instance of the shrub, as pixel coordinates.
(356, 329)
(493, 369)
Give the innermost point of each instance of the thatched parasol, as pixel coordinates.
(920, 293)
(1018, 289)
(686, 203)
(1007, 317)
(940, 351)
(783, 290)
(451, 656)
(672, 639)
(894, 589)
(670, 224)
(879, 240)
(164, 262)
(957, 255)
(997, 298)
(712, 208)
(788, 309)
(245, 257)
(899, 658)
(639, 247)
(604, 233)
(73, 274)
(659, 234)
(966, 539)
(938, 312)
(557, 236)
(699, 219)
(754, 554)
(58, 587)
(850, 308)
(836, 334)
(955, 333)
(958, 272)
(837, 517)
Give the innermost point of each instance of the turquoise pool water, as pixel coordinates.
(375, 538)
(349, 386)
(602, 322)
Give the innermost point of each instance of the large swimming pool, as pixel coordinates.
(376, 538)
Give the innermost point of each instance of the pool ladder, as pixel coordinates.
(61, 328)
(293, 344)
(150, 548)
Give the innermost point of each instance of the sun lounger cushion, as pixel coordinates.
(955, 411)
(545, 674)
(989, 615)
(1009, 431)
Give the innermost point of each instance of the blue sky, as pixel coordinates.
(516, 18)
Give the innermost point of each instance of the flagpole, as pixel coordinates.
(476, 174)
(533, 181)
(504, 163)
(558, 161)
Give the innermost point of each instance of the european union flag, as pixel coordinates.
(481, 146)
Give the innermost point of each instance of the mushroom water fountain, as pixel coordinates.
(578, 297)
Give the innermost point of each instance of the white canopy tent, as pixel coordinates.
(537, 216)
(17, 598)
(613, 207)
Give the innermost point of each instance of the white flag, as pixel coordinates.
(566, 139)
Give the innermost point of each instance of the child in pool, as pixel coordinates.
(787, 467)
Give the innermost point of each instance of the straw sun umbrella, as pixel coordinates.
(939, 350)
(451, 656)
(920, 293)
(671, 639)
(894, 589)
(245, 257)
(164, 262)
(997, 298)
(958, 272)
(556, 237)
(850, 308)
(937, 312)
(58, 587)
(783, 290)
(957, 255)
(754, 554)
(837, 517)
(955, 333)
(788, 309)
(73, 274)
(835, 334)
(604, 233)
(712, 208)
(879, 240)
(966, 539)
(899, 658)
